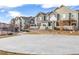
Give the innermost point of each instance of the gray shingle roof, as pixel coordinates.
(41, 13)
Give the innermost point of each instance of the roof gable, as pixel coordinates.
(41, 13)
(64, 9)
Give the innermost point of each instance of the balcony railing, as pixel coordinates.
(67, 27)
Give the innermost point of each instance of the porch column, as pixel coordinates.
(58, 18)
(69, 19)
(20, 23)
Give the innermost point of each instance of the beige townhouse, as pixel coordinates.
(67, 18)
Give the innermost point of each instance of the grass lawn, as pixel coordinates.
(5, 36)
(10, 53)
(54, 32)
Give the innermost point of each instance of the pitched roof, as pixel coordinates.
(23, 17)
(59, 7)
(77, 11)
(41, 13)
(67, 8)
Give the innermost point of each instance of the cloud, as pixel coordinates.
(14, 13)
(16, 3)
(45, 3)
(2, 10)
(57, 3)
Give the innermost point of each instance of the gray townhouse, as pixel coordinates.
(4, 28)
(51, 17)
(45, 20)
(22, 23)
(41, 21)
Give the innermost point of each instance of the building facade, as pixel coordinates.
(41, 21)
(62, 18)
(66, 18)
(22, 23)
(4, 28)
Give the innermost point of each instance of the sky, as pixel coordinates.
(10, 8)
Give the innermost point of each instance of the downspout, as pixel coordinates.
(78, 20)
(48, 21)
(20, 24)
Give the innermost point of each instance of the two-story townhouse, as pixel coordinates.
(22, 23)
(4, 28)
(66, 18)
(40, 21)
(51, 20)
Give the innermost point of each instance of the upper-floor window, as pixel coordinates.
(40, 18)
(64, 16)
(53, 18)
(74, 15)
(47, 17)
(44, 18)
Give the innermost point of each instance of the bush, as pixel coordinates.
(56, 28)
(46, 28)
(10, 33)
(26, 30)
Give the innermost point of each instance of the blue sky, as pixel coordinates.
(7, 13)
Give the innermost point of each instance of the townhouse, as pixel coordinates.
(41, 21)
(45, 20)
(4, 28)
(51, 17)
(22, 23)
(67, 19)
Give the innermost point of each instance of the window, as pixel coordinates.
(70, 16)
(49, 23)
(53, 18)
(40, 18)
(74, 15)
(47, 17)
(44, 18)
(64, 16)
(74, 24)
(44, 24)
